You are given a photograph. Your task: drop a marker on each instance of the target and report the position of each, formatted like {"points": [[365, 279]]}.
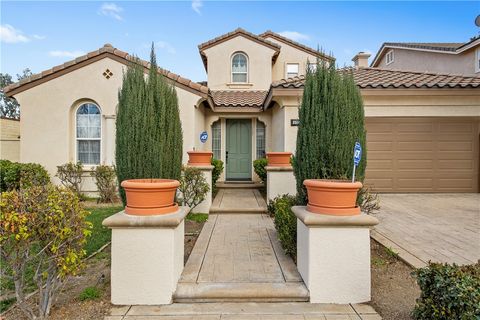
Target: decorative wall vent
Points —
{"points": [[108, 74]]}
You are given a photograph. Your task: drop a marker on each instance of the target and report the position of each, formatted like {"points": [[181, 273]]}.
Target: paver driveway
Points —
{"points": [[436, 227]]}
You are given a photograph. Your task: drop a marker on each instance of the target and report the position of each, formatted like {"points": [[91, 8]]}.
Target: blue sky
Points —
{"points": [[40, 35]]}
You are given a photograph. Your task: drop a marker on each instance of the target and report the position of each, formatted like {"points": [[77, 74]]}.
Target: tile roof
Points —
{"points": [[441, 46], [238, 31], [299, 45], [372, 78], [238, 98], [106, 50]]}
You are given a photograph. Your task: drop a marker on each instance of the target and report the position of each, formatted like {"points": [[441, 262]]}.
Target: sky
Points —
{"points": [[40, 35]]}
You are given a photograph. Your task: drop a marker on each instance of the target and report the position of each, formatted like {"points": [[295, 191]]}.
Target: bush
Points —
{"points": [[15, 175], [90, 293], [368, 201], [105, 179], [42, 229], [259, 167], [285, 222], [331, 121], [194, 187], [70, 175], [448, 292], [216, 172]]}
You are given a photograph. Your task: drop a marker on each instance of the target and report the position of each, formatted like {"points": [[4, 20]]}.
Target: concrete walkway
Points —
{"points": [[436, 227], [238, 200]]}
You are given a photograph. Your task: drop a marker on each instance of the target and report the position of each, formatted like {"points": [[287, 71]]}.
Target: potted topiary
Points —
{"points": [[148, 141], [331, 121], [199, 158], [279, 159]]}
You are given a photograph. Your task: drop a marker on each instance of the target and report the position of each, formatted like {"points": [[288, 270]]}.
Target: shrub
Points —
{"points": [[448, 292], [259, 167], [14, 175], [216, 172], [285, 222], [148, 129], [331, 121], [90, 293], [42, 229], [105, 179], [70, 175], [194, 187], [368, 201]]}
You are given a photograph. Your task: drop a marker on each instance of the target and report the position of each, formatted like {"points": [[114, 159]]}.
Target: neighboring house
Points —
{"points": [[423, 129], [10, 139], [453, 58]]}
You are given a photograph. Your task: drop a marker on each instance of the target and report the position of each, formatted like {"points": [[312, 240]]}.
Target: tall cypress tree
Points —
{"points": [[331, 121], [148, 129]]}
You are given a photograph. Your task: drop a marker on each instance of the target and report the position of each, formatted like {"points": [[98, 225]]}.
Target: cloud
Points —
{"points": [[38, 37], [111, 10], [163, 45], [9, 34], [196, 5], [294, 35], [66, 54]]}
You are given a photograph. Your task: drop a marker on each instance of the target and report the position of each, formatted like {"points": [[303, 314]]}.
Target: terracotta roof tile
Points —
{"points": [[238, 98], [441, 46], [368, 78], [238, 31]]}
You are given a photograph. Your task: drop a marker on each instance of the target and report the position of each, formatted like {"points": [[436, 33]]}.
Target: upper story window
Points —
{"points": [[88, 133], [389, 57], [239, 68], [477, 60], [292, 70]]}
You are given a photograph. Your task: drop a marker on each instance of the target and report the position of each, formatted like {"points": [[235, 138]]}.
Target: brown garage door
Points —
{"points": [[423, 154]]}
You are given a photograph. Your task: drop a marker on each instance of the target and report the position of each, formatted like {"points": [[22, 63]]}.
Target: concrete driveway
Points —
{"points": [[436, 227]]}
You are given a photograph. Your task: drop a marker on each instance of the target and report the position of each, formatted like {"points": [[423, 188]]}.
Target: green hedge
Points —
{"points": [[285, 222], [14, 175], [217, 170], [259, 167], [448, 292]]}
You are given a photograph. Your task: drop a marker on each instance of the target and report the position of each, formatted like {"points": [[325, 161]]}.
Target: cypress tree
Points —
{"points": [[148, 129], [331, 121]]}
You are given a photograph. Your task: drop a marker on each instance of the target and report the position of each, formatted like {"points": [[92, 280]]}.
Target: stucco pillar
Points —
{"points": [[147, 257], [333, 256], [280, 180], [204, 206]]}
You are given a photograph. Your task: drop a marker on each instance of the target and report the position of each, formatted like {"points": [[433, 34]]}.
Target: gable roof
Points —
{"points": [[230, 35], [376, 78], [107, 51], [295, 44], [439, 47]]}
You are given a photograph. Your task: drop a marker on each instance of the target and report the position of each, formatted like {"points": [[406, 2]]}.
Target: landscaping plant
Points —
{"points": [[285, 222], [194, 187], [331, 121], [148, 129], [105, 179], [15, 175], [42, 228], [70, 175], [368, 201], [259, 168], [448, 292], [216, 172]]}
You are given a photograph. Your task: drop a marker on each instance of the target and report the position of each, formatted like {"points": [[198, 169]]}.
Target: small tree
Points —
{"points": [[194, 187], [105, 180], [42, 228], [331, 121], [70, 175], [149, 136]]}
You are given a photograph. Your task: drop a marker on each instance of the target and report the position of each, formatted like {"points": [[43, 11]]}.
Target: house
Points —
{"points": [[423, 128], [10, 139], [455, 58]]}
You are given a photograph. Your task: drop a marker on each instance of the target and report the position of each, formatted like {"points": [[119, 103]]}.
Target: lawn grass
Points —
{"points": [[100, 234], [197, 217]]}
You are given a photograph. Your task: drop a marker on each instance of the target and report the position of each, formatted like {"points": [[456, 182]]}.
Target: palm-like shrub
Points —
{"points": [[331, 121]]}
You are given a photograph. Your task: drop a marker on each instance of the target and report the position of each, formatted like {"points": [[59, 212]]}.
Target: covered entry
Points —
{"points": [[238, 153], [423, 154]]}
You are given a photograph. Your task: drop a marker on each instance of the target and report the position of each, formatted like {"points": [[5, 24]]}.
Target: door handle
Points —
{"points": [[226, 156]]}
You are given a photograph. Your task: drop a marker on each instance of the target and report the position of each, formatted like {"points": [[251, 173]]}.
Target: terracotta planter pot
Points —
{"points": [[200, 158], [150, 196], [279, 159], [333, 197]]}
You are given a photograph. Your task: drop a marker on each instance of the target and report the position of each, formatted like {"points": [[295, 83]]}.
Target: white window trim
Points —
{"points": [[286, 68], [390, 52], [89, 166], [231, 68], [477, 60]]}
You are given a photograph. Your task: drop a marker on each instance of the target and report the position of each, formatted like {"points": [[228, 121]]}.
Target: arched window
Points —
{"points": [[260, 139], [89, 133], [239, 68]]}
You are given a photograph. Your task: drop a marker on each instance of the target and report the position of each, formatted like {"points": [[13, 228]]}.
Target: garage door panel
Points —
{"points": [[423, 154]]}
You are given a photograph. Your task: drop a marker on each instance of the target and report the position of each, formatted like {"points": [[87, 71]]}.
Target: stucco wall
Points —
{"points": [[10, 139], [259, 64], [413, 60], [48, 115]]}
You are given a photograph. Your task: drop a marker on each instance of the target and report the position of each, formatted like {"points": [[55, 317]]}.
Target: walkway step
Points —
{"points": [[238, 201], [237, 292], [239, 185]]}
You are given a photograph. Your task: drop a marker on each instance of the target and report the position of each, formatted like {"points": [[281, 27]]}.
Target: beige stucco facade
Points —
{"points": [[10, 139]]}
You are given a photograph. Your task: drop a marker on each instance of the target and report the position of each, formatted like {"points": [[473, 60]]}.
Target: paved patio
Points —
{"points": [[436, 227]]}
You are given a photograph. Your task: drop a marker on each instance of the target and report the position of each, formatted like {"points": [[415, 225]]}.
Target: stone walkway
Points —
{"points": [[436, 227]]}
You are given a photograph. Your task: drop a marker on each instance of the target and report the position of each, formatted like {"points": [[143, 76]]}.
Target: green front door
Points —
{"points": [[239, 149]]}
